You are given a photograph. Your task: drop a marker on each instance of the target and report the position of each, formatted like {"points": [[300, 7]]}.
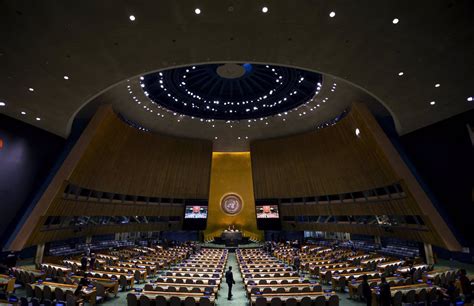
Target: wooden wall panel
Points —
{"points": [[332, 160], [335, 160], [122, 159]]}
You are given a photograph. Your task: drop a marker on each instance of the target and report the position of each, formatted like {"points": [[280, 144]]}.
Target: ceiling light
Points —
{"points": [[470, 99], [395, 21], [437, 85], [432, 102], [31, 89], [215, 137], [2, 104], [38, 118], [197, 11], [264, 9], [332, 14], [131, 17], [66, 77], [400, 73], [357, 132], [23, 113]]}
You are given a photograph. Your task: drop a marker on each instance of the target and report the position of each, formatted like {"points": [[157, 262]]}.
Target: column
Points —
{"points": [[39, 254], [377, 240], [429, 258]]}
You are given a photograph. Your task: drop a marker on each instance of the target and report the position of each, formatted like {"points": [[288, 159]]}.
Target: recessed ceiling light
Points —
{"points": [[31, 89], [66, 77], [400, 73], [432, 102], [470, 99], [38, 118], [131, 17], [264, 9], [2, 104], [197, 11], [395, 21], [215, 137], [332, 14], [437, 85], [23, 113], [357, 132]]}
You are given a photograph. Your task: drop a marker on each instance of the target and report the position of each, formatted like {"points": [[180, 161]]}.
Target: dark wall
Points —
{"points": [[444, 158], [26, 158]]}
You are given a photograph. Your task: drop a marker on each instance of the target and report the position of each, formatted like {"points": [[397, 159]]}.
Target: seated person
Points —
{"points": [[84, 282]]}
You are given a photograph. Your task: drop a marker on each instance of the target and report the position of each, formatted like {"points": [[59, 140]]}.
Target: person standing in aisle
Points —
{"points": [[229, 279]]}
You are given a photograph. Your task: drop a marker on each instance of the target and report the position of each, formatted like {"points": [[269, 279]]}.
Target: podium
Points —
{"points": [[231, 238]]}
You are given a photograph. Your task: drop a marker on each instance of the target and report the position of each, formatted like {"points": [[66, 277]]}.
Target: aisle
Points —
{"points": [[238, 289]]}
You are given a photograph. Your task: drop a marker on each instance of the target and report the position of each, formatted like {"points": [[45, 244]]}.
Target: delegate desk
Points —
{"points": [[181, 295], [7, 282], [403, 289], [90, 294], [110, 285], [298, 296]]}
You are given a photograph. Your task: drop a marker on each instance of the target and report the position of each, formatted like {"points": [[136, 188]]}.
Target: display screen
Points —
{"points": [[195, 212], [267, 212]]}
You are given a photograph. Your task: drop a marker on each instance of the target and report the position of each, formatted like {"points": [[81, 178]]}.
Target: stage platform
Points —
{"points": [[233, 248]]}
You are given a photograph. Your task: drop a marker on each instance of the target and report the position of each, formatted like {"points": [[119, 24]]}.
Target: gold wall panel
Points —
{"points": [[231, 173]]}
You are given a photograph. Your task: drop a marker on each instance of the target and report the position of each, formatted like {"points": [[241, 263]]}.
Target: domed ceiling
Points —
{"points": [[231, 91]]}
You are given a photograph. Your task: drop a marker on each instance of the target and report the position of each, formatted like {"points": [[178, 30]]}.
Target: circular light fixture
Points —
{"points": [[332, 14], [31, 89], [400, 73], [432, 102], [66, 77], [131, 17], [264, 9], [2, 103], [470, 99], [23, 113], [357, 132], [197, 11], [38, 118], [395, 21], [437, 85]]}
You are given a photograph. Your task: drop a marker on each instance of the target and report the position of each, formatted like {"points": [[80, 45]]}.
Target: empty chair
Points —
{"points": [[319, 301], [422, 296], [175, 301], [280, 290], [410, 296], [171, 289], [38, 293], [59, 294], [276, 302], [262, 282], [160, 301], [333, 300], [47, 294], [261, 301], [291, 302], [397, 298], [306, 289], [183, 289], [195, 290], [318, 288], [285, 281], [179, 281], [148, 287], [204, 302], [47, 303], [131, 299], [267, 290], [189, 301], [306, 301], [145, 301], [273, 282], [24, 301], [29, 291], [294, 289], [35, 302]]}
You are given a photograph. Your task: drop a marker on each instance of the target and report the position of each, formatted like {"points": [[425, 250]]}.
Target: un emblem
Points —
{"points": [[231, 204]]}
